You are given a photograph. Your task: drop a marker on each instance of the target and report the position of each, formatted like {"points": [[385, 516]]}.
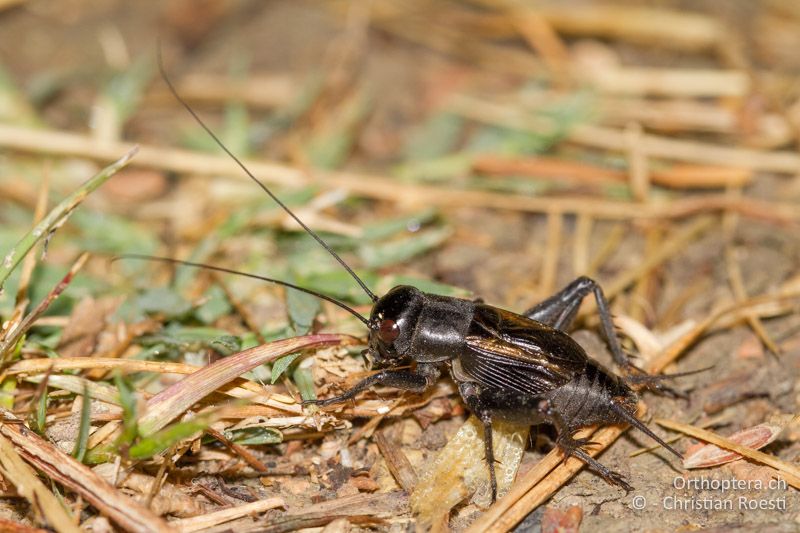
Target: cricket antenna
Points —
{"points": [[319, 295], [238, 161]]}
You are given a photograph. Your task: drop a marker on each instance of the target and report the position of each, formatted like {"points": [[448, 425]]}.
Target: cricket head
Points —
{"points": [[392, 323]]}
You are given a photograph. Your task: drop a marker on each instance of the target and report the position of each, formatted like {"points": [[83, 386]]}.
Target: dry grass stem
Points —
{"points": [[257, 92], [669, 82], [11, 337], [614, 139], [786, 470], [184, 161], [397, 462], [208, 520], [80, 479], [42, 501], [551, 254], [739, 292]]}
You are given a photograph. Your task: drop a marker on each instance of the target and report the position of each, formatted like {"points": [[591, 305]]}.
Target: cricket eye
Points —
{"points": [[388, 331]]}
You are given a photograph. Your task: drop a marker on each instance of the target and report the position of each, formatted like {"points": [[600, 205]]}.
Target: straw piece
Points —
{"points": [[550, 262], [615, 139], [197, 523], [789, 471], [77, 477], [70, 144], [32, 489], [669, 82], [397, 462]]}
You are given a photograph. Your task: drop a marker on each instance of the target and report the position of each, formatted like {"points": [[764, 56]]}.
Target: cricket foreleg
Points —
{"points": [[414, 381]]}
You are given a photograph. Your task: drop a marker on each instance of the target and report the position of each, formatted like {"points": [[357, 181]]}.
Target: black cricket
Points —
{"points": [[522, 368]]}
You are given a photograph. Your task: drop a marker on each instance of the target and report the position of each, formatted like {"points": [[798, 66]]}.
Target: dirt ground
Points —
{"points": [[495, 149]]}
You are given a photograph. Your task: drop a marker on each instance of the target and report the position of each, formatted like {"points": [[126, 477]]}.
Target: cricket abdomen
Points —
{"points": [[589, 398]]}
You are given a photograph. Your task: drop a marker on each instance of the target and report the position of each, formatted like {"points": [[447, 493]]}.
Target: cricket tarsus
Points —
{"points": [[215, 268], [266, 189]]}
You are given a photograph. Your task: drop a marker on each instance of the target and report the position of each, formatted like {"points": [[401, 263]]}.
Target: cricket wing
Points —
{"points": [[512, 352]]}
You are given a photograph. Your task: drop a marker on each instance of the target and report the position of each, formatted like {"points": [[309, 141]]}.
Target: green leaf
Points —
{"points": [[442, 169], [305, 382], [303, 308], [111, 234], [387, 228], [226, 345], [398, 251], [330, 145], [437, 136], [164, 439], [284, 117], [41, 412], [181, 338], [215, 306], [280, 366], [128, 402], [14, 107], [163, 300], [83, 431], [125, 89], [339, 284], [254, 436], [8, 389]]}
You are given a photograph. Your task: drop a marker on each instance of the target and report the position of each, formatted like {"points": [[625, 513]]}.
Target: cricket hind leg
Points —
{"points": [[560, 309], [574, 447], [470, 392], [655, 383]]}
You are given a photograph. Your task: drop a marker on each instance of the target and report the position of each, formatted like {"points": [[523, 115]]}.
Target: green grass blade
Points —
{"points": [[57, 216], [86, 423]]}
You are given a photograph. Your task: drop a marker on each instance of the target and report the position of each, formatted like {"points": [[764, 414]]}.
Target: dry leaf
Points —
{"points": [[756, 437]]}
